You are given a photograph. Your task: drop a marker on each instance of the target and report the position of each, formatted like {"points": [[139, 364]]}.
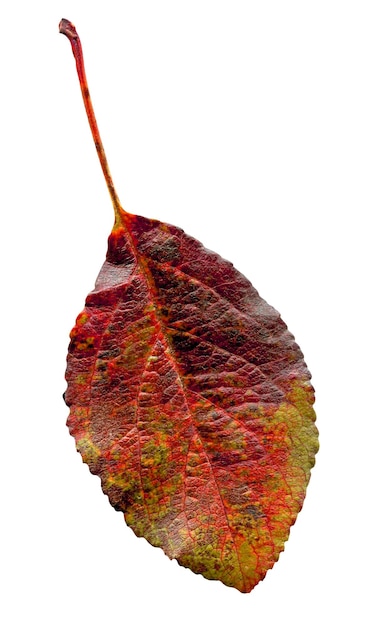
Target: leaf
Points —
{"points": [[190, 399]]}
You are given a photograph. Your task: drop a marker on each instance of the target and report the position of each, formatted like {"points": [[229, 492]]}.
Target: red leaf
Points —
{"points": [[190, 399]]}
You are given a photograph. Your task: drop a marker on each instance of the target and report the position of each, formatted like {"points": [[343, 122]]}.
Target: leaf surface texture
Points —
{"points": [[191, 400]]}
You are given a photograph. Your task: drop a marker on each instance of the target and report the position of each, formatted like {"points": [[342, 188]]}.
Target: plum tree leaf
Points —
{"points": [[189, 397]]}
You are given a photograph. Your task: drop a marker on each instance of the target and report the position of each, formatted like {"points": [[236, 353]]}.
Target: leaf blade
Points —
{"points": [[177, 366]]}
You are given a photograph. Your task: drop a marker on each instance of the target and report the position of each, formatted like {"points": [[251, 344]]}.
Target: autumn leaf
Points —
{"points": [[189, 397]]}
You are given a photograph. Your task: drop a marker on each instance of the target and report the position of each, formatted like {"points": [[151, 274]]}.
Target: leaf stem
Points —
{"points": [[68, 29]]}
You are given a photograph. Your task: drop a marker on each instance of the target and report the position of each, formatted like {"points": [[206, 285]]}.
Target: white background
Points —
{"points": [[245, 124]]}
